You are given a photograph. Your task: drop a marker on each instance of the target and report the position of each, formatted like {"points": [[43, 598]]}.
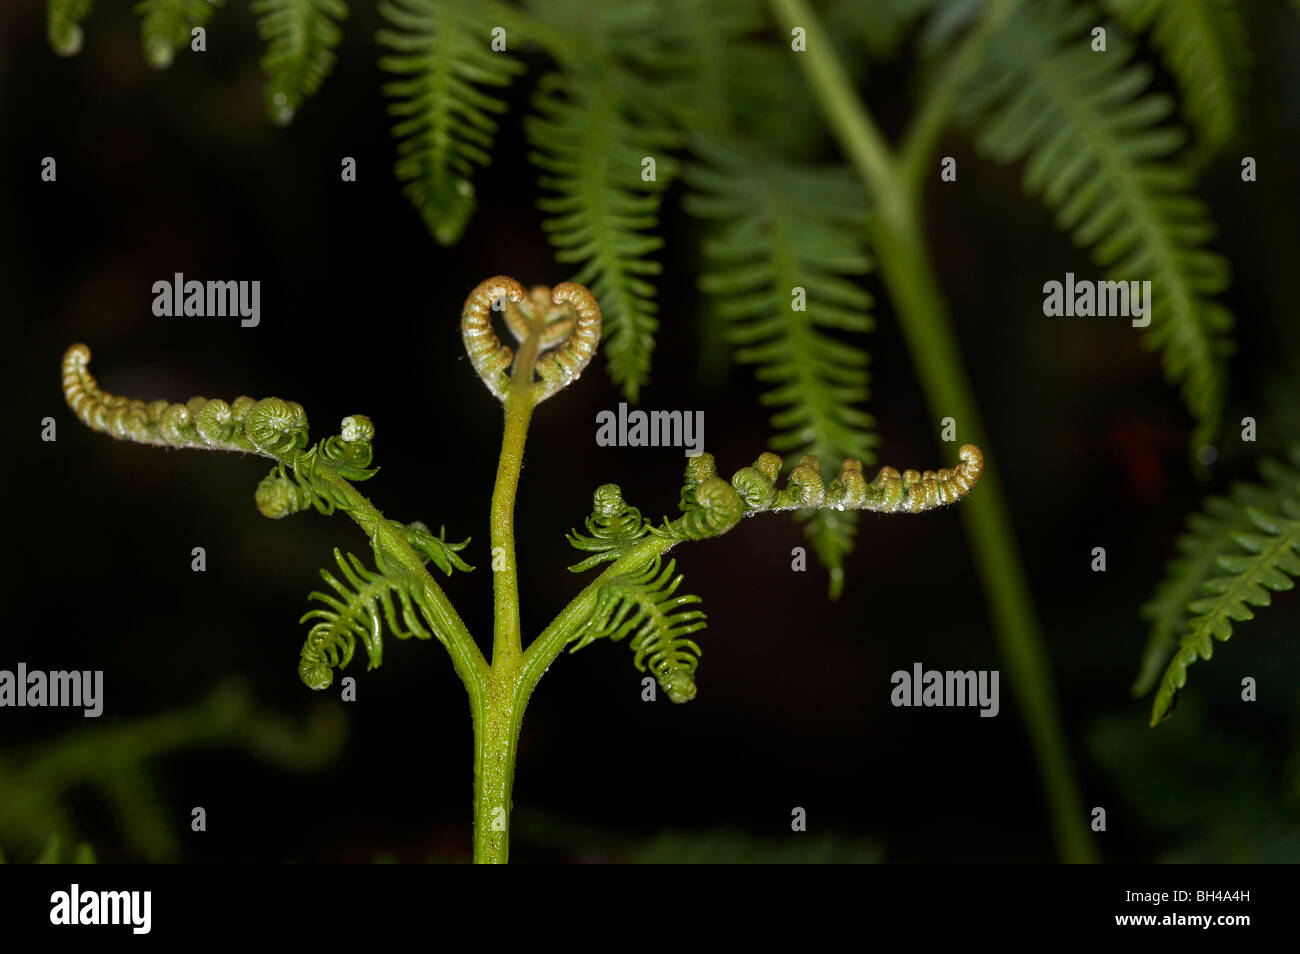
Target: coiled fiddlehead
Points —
{"points": [[271, 427], [645, 603], [362, 603], [614, 526], [566, 319]]}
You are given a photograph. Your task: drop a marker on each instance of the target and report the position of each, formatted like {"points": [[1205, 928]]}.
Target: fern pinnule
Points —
{"points": [[443, 55], [63, 24], [644, 603], [1096, 150], [613, 527], [301, 36], [1264, 558], [166, 26]]}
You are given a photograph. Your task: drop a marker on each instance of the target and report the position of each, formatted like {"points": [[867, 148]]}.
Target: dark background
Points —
{"points": [[160, 172]]}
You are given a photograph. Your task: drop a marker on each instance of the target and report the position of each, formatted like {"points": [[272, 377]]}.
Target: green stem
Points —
{"points": [[923, 316]]}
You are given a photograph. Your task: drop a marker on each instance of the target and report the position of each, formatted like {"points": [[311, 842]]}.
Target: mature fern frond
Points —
{"points": [[63, 24], [1265, 558], [442, 49], [614, 527], [1203, 43], [165, 26], [784, 228], [363, 602], [589, 143], [1097, 153], [644, 602], [1209, 535], [301, 36]]}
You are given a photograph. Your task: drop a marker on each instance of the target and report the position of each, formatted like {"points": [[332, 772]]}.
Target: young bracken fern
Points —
{"points": [[635, 594], [1253, 536]]}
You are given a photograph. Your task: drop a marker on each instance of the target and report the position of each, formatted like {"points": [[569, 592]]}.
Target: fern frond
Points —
{"points": [[589, 146], [301, 36], [63, 24], [782, 228], [1203, 44], [165, 26], [363, 602], [442, 51], [614, 527], [644, 602], [1209, 535], [1096, 151], [1263, 559]]}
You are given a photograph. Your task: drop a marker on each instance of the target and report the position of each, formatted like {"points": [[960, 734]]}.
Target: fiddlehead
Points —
{"points": [[565, 319], [644, 602], [613, 527]]}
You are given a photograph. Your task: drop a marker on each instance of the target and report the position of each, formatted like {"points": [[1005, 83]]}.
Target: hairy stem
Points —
{"points": [[923, 315]]}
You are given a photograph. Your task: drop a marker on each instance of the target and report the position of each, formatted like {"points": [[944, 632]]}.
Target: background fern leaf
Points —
{"points": [[1263, 560], [589, 142], [301, 36], [442, 51], [165, 26], [1203, 44], [1209, 535], [1097, 153], [63, 24], [782, 227], [644, 602]]}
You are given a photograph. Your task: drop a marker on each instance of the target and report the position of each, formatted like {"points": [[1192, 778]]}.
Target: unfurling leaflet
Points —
{"points": [[613, 527], [565, 323], [270, 427], [363, 601], [645, 603]]}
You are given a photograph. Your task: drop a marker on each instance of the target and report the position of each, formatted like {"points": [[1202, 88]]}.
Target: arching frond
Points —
{"points": [[645, 604], [1097, 151], [779, 269], [166, 25], [1263, 558], [1203, 43], [301, 36], [591, 145], [442, 50]]}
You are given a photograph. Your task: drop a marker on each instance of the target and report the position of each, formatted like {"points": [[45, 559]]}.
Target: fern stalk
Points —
{"points": [[923, 314]]}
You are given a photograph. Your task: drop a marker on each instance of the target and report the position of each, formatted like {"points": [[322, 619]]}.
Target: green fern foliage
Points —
{"points": [[63, 24], [363, 601], [613, 528], [783, 228], [1210, 535], [645, 604], [301, 36], [443, 55], [1263, 525], [1098, 152], [1203, 44], [590, 144], [165, 26]]}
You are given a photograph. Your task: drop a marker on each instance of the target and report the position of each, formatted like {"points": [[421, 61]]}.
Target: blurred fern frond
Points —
{"points": [[166, 26], [1098, 152], [782, 229], [442, 52], [301, 36], [1253, 536]]}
